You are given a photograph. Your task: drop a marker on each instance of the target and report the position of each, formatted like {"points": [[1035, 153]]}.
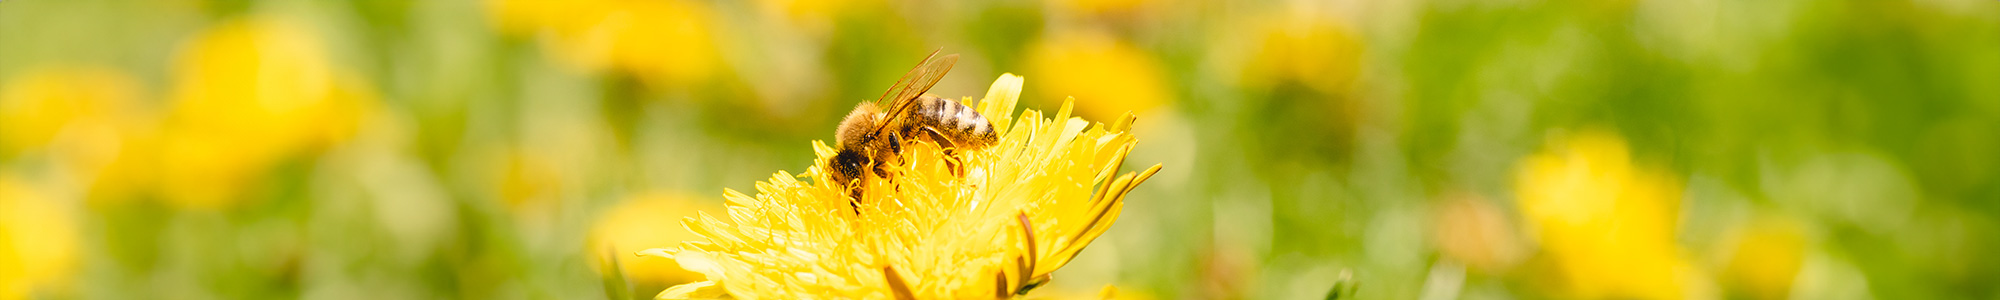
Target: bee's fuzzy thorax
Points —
{"points": [[857, 123]]}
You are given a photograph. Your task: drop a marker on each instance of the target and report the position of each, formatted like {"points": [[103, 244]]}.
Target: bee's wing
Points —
{"points": [[903, 95]]}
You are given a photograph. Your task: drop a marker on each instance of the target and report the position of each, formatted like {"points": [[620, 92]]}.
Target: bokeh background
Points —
{"points": [[1424, 149]]}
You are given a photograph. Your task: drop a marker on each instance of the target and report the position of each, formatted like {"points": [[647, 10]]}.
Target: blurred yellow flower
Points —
{"points": [[87, 120], [816, 16], [1316, 52], [1115, 75], [248, 94], [526, 181], [38, 241], [660, 41], [1764, 260], [635, 225], [1606, 224], [42, 103], [1101, 6], [1023, 208]]}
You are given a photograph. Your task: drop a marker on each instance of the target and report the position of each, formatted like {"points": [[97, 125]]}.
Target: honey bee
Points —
{"points": [[871, 137]]}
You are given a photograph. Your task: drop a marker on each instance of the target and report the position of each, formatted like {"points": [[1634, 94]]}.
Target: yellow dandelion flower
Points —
{"points": [[815, 17], [247, 95], [38, 241], [1765, 259], [1607, 224], [1021, 209], [1117, 76], [659, 41], [85, 119], [40, 104], [526, 181], [1310, 50], [1097, 7], [634, 225]]}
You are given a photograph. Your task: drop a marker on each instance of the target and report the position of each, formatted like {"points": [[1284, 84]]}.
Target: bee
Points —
{"points": [[871, 136]]}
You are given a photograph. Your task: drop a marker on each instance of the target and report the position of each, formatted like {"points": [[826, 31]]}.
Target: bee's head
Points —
{"points": [[846, 166]]}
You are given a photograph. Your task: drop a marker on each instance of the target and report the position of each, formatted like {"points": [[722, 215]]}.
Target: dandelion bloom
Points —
{"points": [[38, 241], [1022, 208], [247, 95], [41, 104], [1113, 74], [1765, 258], [1315, 51], [631, 226], [659, 41], [87, 120], [1607, 224]]}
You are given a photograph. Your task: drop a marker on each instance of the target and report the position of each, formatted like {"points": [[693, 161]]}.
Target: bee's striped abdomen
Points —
{"points": [[965, 127]]}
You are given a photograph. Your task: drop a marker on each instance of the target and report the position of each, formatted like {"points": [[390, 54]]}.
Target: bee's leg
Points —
{"points": [[943, 141], [895, 146], [882, 167], [853, 187], [950, 151], [855, 201], [881, 170]]}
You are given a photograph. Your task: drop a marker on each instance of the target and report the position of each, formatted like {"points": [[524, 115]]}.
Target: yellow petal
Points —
{"points": [[695, 290]]}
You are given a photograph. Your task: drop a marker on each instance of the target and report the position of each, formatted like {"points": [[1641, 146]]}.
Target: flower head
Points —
{"points": [[1765, 258], [87, 120], [1314, 51], [994, 228], [659, 41], [247, 95], [1607, 223], [42, 104], [38, 241], [631, 226], [1114, 74]]}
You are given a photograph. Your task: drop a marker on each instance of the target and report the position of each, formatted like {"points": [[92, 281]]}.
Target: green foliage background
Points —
{"points": [[1874, 124]]}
